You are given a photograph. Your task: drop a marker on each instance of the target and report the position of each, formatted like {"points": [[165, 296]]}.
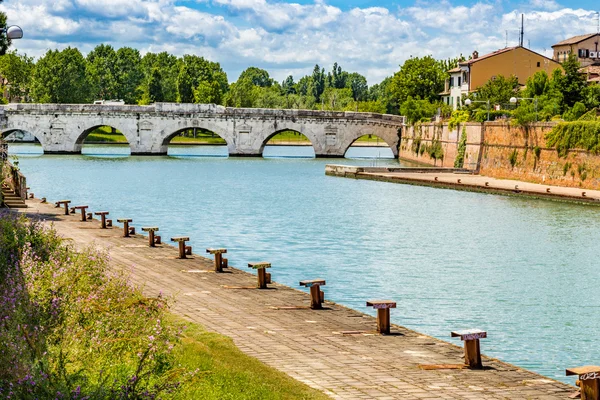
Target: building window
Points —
{"points": [[451, 81], [459, 81], [457, 101], [538, 64]]}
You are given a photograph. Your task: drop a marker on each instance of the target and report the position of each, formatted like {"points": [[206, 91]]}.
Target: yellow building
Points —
{"points": [[472, 74], [585, 47]]}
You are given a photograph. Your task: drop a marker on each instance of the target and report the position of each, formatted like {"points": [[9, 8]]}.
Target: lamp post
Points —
{"points": [[513, 100], [469, 101], [13, 32]]}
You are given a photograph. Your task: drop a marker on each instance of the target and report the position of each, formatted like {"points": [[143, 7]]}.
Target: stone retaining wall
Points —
{"points": [[501, 150]]}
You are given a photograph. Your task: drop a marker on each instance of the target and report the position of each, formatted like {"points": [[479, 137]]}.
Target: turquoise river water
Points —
{"points": [[527, 271]]}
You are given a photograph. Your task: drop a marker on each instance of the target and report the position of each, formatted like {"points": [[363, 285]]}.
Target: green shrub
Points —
{"points": [[583, 135], [481, 115], [71, 328], [458, 117], [459, 162], [512, 158]]}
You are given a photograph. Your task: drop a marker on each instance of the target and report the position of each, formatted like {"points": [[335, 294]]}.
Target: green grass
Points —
{"points": [[103, 134], [224, 372]]}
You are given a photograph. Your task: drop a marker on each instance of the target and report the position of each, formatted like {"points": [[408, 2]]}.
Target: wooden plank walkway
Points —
{"points": [[308, 345]]}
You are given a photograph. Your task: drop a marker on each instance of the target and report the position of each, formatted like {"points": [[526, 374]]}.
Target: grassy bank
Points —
{"points": [[104, 134], [73, 328]]}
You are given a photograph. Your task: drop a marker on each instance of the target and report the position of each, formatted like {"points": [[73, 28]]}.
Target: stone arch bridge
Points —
{"points": [[62, 128]]}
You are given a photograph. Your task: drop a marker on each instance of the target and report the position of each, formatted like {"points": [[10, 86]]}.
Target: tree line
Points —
{"points": [[66, 76]]}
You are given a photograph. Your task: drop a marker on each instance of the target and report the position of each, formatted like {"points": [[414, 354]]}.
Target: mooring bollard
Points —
{"points": [[183, 249], [218, 253], [83, 212], [89, 215], [317, 296], [43, 200], [102, 215], [472, 351], [31, 196], [152, 239], [125, 222], [261, 268], [64, 203], [383, 314], [589, 381]]}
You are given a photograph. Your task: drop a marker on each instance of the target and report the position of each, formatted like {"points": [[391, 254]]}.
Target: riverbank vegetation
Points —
{"points": [[73, 328]]}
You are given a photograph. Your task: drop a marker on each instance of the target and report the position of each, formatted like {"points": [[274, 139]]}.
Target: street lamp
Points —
{"points": [[469, 101], [514, 101], [13, 32]]}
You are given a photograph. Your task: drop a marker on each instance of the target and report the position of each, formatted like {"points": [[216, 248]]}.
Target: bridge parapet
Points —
{"points": [[189, 109]]}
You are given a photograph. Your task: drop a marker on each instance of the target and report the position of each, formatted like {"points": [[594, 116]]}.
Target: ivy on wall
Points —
{"points": [[583, 135]]}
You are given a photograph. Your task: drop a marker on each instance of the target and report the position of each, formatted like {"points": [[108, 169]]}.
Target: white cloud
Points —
{"points": [[290, 38]]}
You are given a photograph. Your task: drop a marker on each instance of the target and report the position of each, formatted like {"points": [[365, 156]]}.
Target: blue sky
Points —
{"points": [[290, 37]]}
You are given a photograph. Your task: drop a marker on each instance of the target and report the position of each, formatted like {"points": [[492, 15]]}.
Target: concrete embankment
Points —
{"points": [[336, 350], [458, 179]]}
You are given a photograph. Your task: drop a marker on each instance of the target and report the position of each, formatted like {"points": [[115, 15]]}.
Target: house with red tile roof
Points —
{"points": [[470, 75]]}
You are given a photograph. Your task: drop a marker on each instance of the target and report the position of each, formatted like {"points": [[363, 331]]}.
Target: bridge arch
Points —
{"points": [[86, 132], [173, 128], [389, 137], [302, 139], [34, 132], [268, 135]]}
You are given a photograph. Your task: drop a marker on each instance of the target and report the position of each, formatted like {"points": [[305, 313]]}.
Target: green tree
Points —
{"points": [[242, 93], [269, 97], [419, 78], [17, 71], [382, 92], [60, 77], [358, 84], [498, 90], [417, 110], [258, 77], [337, 78], [591, 96], [316, 84], [153, 88], [302, 87], [128, 74], [168, 68], [337, 99], [4, 41], [208, 92], [572, 83], [101, 74], [288, 86], [185, 86]]}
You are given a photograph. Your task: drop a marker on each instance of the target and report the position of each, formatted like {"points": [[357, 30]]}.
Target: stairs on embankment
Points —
{"points": [[11, 199]]}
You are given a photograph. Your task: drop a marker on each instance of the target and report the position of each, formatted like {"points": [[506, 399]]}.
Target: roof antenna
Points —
{"points": [[506, 39], [522, 30]]}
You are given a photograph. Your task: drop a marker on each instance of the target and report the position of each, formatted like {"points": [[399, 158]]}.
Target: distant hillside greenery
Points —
{"points": [[66, 76]]}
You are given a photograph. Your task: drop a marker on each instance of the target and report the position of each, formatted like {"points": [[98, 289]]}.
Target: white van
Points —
{"points": [[110, 102]]}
